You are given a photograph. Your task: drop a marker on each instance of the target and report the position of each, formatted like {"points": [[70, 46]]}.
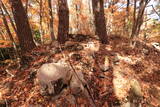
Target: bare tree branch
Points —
{"points": [[155, 11]]}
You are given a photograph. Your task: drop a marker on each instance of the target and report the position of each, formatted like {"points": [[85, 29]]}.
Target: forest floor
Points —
{"points": [[19, 87]]}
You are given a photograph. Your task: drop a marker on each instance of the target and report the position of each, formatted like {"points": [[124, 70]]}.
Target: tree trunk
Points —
{"points": [[77, 17], [26, 6], [127, 17], [140, 16], [127, 9], [99, 19], [134, 20], [23, 28], [40, 22], [51, 20], [63, 14], [138, 21]]}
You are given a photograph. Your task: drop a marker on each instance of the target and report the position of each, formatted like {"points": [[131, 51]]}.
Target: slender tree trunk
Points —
{"points": [[51, 20], [11, 21], [158, 14], [40, 22], [77, 18], [140, 16], [139, 19], [23, 28], [26, 6], [127, 17], [100, 23], [145, 24], [8, 31], [63, 14], [134, 20], [127, 9]]}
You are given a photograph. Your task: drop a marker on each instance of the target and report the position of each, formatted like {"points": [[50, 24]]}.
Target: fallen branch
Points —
{"points": [[74, 71]]}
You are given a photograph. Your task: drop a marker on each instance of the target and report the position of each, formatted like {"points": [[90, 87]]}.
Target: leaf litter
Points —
{"points": [[108, 88]]}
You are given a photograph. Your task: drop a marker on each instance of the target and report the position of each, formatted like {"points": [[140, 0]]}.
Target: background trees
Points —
{"points": [[138, 19], [8, 29], [45, 21]]}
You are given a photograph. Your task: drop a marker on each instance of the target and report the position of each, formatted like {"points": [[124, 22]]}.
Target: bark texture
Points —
{"points": [[63, 14], [100, 23], [138, 20], [23, 28], [51, 20]]}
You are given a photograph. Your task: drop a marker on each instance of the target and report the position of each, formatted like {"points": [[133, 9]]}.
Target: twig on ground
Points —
{"points": [[74, 71], [9, 73]]}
